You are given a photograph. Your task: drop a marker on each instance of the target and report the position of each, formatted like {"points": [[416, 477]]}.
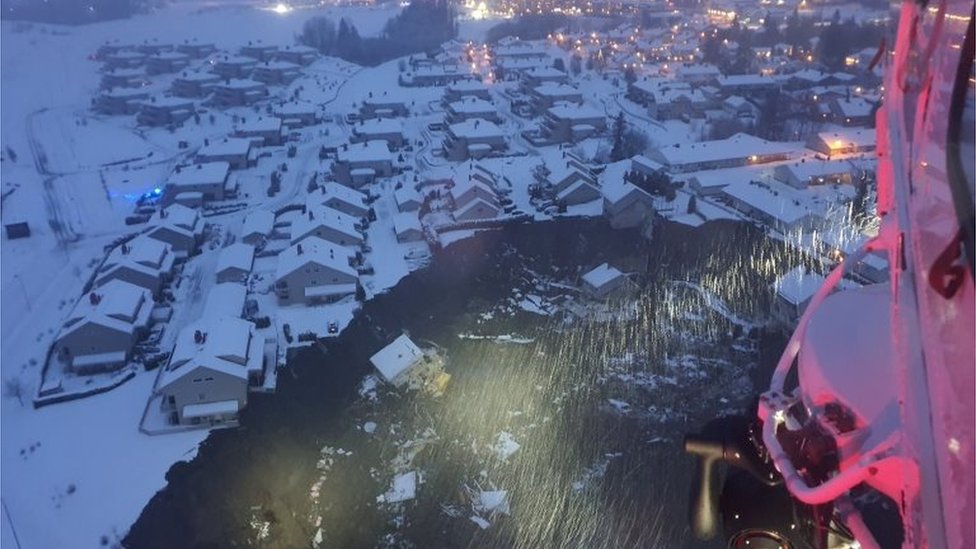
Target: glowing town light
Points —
{"points": [[281, 8]]}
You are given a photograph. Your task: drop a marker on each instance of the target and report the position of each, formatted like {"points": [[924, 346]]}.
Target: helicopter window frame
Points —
{"points": [[960, 182]]}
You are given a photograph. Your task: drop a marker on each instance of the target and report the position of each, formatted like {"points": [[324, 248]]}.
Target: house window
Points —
{"points": [[202, 396]]}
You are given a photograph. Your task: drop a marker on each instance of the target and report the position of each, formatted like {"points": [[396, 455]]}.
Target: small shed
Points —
{"points": [[235, 262], [603, 281]]}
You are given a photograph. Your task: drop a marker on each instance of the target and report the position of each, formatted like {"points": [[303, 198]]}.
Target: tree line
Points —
{"points": [[421, 26]]}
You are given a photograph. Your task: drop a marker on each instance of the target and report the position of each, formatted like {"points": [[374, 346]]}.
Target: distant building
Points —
{"points": [[772, 204], [383, 107], [238, 93], [121, 101], [165, 111], [276, 73], [341, 198], [473, 138], [800, 175], [739, 150], [471, 107], [209, 179], [314, 271], [298, 55], [747, 84], [852, 111], [124, 59], [407, 199], [844, 142], [196, 50], [103, 328], [261, 52], [266, 131], [379, 129], [297, 115], [361, 163], [540, 76], [566, 124], [794, 290], [167, 62], [235, 263], [465, 89], [228, 67], [235, 151], [124, 78], [550, 94], [212, 364], [194, 84]]}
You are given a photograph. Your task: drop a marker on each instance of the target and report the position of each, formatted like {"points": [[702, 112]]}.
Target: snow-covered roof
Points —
{"points": [[551, 89], [574, 112], [177, 215], [258, 222], [817, 168], [225, 299], [195, 76], [231, 146], [847, 137], [374, 126], [278, 66], [259, 125], [467, 86], [545, 72], [798, 285], [314, 250], [777, 200], [207, 409], [237, 60], [236, 256], [476, 128], [396, 358], [117, 304], [222, 343], [142, 250], [208, 173], [367, 151], [471, 105], [242, 84], [406, 194], [342, 193], [855, 106], [602, 275], [477, 202], [740, 145], [404, 222], [167, 102], [323, 216], [746, 80]]}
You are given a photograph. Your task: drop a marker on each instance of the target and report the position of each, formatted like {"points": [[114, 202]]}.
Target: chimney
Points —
{"points": [[162, 213], [198, 337], [310, 216], [94, 298], [331, 253], [299, 249], [125, 249]]}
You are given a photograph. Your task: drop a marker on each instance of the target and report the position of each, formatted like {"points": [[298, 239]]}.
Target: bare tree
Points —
{"points": [[14, 387]]}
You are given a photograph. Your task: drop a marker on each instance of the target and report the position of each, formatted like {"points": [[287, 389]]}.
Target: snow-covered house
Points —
{"points": [[257, 227], [550, 94], [468, 190], [697, 73], [103, 327], [395, 361], [579, 192], [166, 62], [383, 106], [265, 130], [234, 67], [238, 93], [378, 129], [737, 107], [473, 138], [800, 175], [340, 198], [471, 107], [539, 76], [626, 205], [260, 52], [466, 88], [407, 227], [196, 50], [165, 111], [123, 78], [299, 55], [142, 261], [794, 290], [235, 151], [772, 204], [235, 263], [209, 179], [120, 101], [297, 115], [124, 59], [328, 224], [361, 163], [178, 226], [604, 281], [746, 84], [212, 364], [844, 141], [741, 149], [194, 84], [407, 199], [276, 73], [477, 208], [564, 124], [314, 271]]}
